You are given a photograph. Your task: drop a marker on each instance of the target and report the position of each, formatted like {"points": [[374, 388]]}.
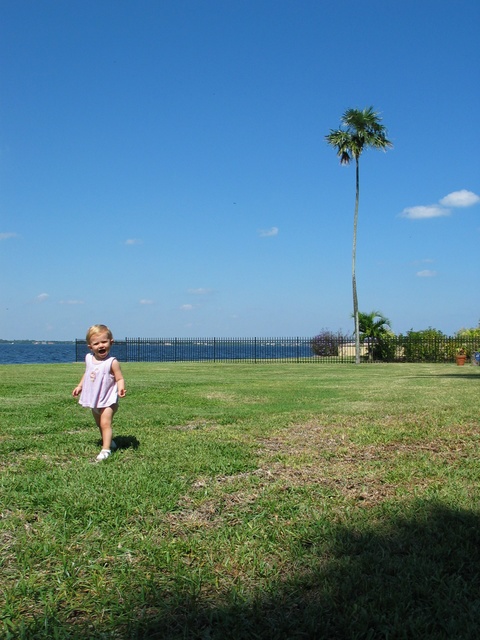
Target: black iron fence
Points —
{"points": [[252, 350]]}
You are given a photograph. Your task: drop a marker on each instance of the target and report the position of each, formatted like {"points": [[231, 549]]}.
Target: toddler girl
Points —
{"points": [[101, 385]]}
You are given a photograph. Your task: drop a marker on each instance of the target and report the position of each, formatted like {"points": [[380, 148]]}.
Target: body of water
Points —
{"points": [[28, 353], [177, 350], [209, 349]]}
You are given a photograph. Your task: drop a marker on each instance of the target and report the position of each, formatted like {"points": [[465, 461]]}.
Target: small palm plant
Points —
{"points": [[374, 328]]}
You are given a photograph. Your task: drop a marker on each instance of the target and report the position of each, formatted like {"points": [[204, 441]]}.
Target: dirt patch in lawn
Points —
{"points": [[327, 458]]}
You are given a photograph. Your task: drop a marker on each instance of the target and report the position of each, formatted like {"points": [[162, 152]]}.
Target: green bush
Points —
{"points": [[327, 343], [386, 349], [428, 345], [470, 339]]}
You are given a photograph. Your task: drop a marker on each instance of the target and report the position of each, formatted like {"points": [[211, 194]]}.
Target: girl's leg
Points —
{"points": [[104, 419]]}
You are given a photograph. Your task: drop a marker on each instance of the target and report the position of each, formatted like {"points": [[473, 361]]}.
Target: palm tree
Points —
{"points": [[361, 129], [373, 328]]}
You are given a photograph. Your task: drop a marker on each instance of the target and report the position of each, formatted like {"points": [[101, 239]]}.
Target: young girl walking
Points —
{"points": [[101, 385]]}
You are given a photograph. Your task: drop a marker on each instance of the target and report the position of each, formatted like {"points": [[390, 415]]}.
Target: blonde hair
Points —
{"points": [[96, 329]]}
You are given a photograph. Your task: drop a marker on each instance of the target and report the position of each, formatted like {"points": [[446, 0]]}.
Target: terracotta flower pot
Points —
{"points": [[460, 360]]}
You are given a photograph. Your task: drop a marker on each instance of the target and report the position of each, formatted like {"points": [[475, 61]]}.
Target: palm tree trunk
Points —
{"points": [[354, 254]]}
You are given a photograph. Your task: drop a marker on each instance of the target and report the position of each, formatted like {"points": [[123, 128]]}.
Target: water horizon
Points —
{"points": [[26, 352], [174, 350]]}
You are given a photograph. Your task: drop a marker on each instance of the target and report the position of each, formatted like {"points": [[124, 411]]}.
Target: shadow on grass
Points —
{"points": [[462, 376], [124, 442], [415, 576]]}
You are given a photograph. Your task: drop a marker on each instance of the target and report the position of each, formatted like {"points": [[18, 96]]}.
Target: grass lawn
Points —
{"points": [[269, 501]]}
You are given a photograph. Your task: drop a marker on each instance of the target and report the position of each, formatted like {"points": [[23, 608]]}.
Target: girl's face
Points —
{"points": [[100, 344]]}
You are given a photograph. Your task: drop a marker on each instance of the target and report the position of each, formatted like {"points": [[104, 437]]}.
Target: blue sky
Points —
{"points": [[164, 170]]}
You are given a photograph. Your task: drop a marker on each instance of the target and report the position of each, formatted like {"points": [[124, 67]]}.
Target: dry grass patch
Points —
{"points": [[212, 502], [322, 453]]}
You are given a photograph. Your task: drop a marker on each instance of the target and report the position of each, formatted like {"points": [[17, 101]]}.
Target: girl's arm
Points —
{"points": [[78, 389], [117, 372]]}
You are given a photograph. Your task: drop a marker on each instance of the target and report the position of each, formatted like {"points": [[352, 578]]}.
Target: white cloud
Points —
{"points": [[422, 212], [131, 241], [186, 307], [201, 291], [426, 273], [42, 297], [145, 301], [8, 235], [268, 233], [462, 198]]}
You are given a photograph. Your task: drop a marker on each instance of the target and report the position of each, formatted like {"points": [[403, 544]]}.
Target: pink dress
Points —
{"points": [[99, 388]]}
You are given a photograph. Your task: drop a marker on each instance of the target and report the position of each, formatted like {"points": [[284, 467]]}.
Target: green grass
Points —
{"points": [[245, 501]]}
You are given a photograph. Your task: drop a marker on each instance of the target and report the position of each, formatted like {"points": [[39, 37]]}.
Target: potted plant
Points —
{"points": [[461, 356]]}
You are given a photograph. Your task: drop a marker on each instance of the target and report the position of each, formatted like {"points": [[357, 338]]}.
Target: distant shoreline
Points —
{"points": [[37, 341]]}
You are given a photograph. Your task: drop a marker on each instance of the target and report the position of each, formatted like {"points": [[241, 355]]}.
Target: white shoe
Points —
{"points": [[104, 454]]}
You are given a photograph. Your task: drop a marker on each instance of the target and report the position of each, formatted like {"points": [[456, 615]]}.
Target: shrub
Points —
{"points": [[469, 339], [385, 348], [429, 345], [327, 343]]}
